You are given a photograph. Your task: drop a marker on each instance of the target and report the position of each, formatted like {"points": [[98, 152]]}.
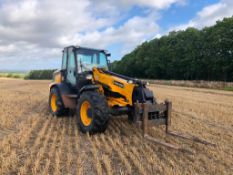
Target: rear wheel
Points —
{"points": [[92, 112], [55, 103]]}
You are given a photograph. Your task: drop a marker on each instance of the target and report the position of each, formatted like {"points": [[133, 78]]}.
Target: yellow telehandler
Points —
{"points": [[85, 84]]}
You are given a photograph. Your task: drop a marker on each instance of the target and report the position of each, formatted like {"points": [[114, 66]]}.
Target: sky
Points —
{"points": [[34, 32]]}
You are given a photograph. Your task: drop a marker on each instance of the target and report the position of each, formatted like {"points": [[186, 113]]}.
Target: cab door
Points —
{"points": [[71, 68]]}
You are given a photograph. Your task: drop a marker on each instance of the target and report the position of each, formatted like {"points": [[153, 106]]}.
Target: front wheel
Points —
{"points": [[92, 112], [55, 103]]}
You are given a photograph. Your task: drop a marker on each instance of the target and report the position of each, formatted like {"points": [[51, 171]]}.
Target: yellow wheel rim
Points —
{"points": [[85, 109], [54, 102]]}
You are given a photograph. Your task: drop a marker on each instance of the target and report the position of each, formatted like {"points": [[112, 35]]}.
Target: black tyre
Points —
{"points": [[56, 106], [92, 112], [131, 115]]}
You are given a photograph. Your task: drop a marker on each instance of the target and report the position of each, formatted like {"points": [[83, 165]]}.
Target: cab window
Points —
{"points": [[64, 60]]}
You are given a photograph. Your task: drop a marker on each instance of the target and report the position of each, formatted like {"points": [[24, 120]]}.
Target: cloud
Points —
{"points": [[33, 32], [156, 4], [132, 32], [209, 15], [42, 21]]}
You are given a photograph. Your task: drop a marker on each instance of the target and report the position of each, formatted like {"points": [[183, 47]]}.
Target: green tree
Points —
{"points": [[192, 54]]}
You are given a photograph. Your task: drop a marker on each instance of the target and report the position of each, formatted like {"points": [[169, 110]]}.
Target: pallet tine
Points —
{"points": [[168, 113], [176, 134], [145, 129], [162, 142], [190, 137], [145, 119]]}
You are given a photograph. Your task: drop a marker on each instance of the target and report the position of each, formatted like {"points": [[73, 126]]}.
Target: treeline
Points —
{"points": [[40, 74], [12, 75], [192, 54]]}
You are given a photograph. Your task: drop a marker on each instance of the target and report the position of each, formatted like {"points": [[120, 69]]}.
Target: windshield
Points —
{"points": [[89, 59]]}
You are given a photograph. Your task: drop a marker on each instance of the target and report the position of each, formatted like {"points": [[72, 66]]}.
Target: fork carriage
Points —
{"points": [[160, 114]]}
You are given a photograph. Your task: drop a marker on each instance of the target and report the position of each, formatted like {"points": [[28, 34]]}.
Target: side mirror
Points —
{"points": [[108, 54], [109, 64]]}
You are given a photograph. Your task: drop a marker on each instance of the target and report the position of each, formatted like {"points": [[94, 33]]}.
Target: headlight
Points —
{"points": [[130, 81], [89, 77]]}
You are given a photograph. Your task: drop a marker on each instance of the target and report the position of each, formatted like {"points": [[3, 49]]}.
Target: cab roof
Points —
{"points": [[86, 48]]}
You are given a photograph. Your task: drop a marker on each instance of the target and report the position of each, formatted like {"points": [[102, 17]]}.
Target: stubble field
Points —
{"points": [[34, 142]]}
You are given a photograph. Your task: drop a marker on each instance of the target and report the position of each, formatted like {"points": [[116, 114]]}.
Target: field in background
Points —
{"points": [[13, 74], [34, 142], [48, 75], [221, 85]]}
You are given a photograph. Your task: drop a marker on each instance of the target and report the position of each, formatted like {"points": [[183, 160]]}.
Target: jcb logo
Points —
{"points": [[118, 84]]}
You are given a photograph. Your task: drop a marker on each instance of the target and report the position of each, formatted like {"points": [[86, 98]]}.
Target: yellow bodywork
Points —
{"points": [[108, 80], [103, 79], [57, 78]]}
